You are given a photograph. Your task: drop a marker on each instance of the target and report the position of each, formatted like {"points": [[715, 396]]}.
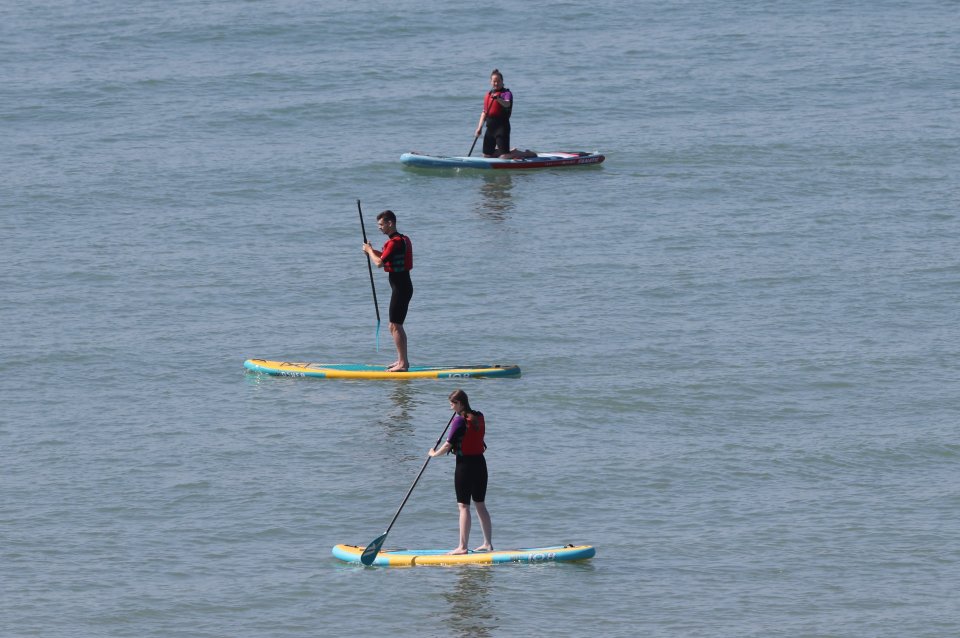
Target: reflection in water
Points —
{"points": [[398, 419], [495, 201], [470, 611]]}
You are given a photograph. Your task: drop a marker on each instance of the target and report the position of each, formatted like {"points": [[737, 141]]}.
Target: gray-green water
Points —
{"points": [[739, 335]]}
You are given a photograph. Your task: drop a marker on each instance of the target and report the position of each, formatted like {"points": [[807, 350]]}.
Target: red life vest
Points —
{"points": [[494, 108], [471, 443], [399, 258]]}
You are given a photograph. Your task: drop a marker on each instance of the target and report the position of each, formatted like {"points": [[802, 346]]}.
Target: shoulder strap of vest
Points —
{"points": [[480, 414]]}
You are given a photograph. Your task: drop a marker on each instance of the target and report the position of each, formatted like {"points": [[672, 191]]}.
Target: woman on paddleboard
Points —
{"points": [[470, 475], [397, 259], [497, 106]]}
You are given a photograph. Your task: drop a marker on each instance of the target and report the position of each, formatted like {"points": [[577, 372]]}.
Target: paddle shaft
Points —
{"points": [[373, 287], [410, 491], [483, 118], [370, 553]]}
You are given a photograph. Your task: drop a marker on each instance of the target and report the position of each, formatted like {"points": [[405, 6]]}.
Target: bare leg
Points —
{"points": [[400, 340], [464, 529], [485, 526]]}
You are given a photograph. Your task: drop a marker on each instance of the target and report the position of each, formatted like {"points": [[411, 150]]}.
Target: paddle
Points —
{"points": [[483, 117], [475, 138], [370, 553], [376, 306]]}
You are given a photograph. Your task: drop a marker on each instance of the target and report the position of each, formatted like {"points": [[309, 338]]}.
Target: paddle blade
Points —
{"points": [[370, 553]]}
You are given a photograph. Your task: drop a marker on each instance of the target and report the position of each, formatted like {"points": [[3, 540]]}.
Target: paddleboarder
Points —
{"points": [[497, 106], [470, 476], [396, 258]]}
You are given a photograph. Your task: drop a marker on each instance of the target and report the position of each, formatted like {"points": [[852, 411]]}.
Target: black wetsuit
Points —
{"points": [[496, 141]]}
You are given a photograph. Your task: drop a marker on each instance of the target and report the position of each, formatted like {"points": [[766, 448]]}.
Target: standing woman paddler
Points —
{"points": [[470, 476], [497, 107]]}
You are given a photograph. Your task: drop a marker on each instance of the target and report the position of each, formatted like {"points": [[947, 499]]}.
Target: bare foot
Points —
{"points": [[457, 551], [484, 548], [398, 367]]}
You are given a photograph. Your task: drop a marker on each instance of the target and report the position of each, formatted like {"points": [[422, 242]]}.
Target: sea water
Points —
{"points": [[739, 335]]}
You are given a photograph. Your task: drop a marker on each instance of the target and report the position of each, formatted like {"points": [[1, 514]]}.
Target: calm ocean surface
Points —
{"points": [[740, 336]]}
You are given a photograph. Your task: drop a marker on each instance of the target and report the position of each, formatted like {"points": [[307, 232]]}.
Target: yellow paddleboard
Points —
{"points": [[413, 557], [360, 371]]}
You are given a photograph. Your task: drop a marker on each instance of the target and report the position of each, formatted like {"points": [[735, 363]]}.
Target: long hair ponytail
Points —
{"points": [[460, 397]]}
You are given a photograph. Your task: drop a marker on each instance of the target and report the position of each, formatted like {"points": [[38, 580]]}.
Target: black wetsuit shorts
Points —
{"points": [[470, 478], [402, 288], [496, 141]]}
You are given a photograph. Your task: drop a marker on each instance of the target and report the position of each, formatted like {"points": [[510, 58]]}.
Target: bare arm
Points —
{"points": [[443, 449], [374, 255], [483, 116]]}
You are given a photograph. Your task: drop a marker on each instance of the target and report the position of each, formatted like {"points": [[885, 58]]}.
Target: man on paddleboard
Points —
{"points": [[396, 258], [497, 106]]}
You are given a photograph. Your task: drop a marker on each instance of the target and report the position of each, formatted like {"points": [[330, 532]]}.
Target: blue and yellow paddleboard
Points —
{"points": [[359, 371], [412, 558]]}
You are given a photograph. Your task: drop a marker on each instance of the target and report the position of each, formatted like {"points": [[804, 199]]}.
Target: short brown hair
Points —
{"points": [[388, 215]]}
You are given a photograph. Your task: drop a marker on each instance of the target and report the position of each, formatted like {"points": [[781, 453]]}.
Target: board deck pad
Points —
{"points": [[363, 371], [542, 160], [412, 558]]}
